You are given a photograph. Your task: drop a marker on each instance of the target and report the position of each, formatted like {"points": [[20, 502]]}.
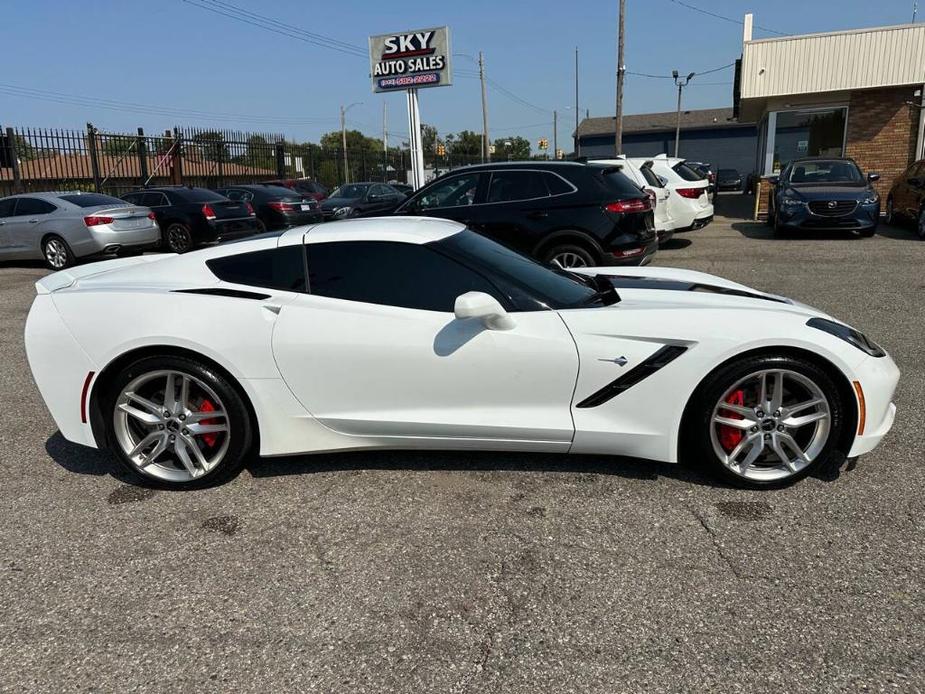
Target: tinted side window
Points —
{"points": [[508, 186], [394, 274], [557, 185], [133, 198], [34, 206], [154, 200], [276, 268], [6, 207], [452, 192], [687, 173]]}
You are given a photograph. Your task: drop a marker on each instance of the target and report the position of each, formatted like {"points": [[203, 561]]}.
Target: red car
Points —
{"points": [[306, 186]]}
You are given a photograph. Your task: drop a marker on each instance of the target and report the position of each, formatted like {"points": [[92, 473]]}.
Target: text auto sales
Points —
{"points": [[408, 60]]}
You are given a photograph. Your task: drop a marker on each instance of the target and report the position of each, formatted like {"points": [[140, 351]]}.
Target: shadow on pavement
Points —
{"points": [[84, 460], [675, 244], [760, 230]]}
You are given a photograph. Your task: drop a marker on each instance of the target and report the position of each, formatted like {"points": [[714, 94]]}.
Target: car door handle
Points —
{"points": [[537, 214], [33, 221]]}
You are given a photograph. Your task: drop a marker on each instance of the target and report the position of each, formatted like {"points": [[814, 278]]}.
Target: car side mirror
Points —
{"points": [[873, 177], [484, 307]]}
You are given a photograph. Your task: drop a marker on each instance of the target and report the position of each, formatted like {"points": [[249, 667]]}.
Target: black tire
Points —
{"points": [[696, 443], [920, 224], [56, 253], [564, 253], [178, 238], [261, 227], [772, 217], [867, 233], [890, 216], [241, 430]]}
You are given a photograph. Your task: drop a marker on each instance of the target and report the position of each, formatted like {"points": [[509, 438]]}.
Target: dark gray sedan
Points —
{"points": [[62, 227]]}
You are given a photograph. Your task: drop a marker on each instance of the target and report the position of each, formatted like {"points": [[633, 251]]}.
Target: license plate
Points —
{"points": [[306, 208], [138, 223]]}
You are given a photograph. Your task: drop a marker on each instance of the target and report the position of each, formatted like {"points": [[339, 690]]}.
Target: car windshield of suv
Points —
{"points": [[91, 200], [352, 190], [522, 276], [618, 182], [824, 171], [727, 173]]}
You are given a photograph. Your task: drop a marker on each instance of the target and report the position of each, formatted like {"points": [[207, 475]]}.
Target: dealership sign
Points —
{"points": [[410, 60]]}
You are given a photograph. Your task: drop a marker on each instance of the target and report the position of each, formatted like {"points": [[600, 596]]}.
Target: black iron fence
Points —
{"points": [[41, 159]]}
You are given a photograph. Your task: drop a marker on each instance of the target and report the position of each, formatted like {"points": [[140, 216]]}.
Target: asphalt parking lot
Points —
{"points": [[482, 573]]}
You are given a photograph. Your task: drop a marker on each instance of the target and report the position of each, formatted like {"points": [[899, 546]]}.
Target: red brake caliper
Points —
{"points": [[729, 437], [207, 406]]}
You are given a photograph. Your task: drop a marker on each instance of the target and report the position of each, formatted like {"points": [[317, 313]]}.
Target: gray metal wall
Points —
{"points": [[724, 148]]}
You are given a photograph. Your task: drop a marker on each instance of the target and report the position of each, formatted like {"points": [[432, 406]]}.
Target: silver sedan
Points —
{"points": [[62, 227]]}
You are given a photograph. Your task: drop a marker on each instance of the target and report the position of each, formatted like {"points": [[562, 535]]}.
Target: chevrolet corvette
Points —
{"points": [[417, 333]]}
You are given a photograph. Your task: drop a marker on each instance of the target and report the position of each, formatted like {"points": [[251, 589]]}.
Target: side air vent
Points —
{"points": [[220, 291], [640, 372]]}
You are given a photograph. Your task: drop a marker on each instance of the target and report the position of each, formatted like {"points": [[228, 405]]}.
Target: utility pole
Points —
{"points": [[385, 143], [681, 84], [555, 134], [618, 124], [485, 150], [577, 140], [343, 136]]}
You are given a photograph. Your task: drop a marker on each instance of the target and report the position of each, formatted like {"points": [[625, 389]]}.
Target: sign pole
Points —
{"points": [[415, 140]]}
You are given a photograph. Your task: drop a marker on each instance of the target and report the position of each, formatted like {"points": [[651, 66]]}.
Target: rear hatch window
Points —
{"points": [[618, 183], [687, 173]]}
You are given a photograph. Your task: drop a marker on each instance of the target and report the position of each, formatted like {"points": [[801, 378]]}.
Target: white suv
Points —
{"points": [[689, 205], [639, 171]]}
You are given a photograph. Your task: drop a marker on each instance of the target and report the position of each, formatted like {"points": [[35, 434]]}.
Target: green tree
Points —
{"points": [[464, 144], [118, 145], [356, 141], [514, 148], [211, 145]]}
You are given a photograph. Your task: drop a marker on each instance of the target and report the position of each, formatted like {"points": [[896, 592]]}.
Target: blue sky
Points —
{"points": [[180, 58]]}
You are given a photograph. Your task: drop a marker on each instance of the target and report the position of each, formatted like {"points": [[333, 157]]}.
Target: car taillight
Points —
{"points": [[282, 206], [151, 215], [632, 205], [628, 252], [250, 209], [94, 221], [692, 193], [208, 212]]}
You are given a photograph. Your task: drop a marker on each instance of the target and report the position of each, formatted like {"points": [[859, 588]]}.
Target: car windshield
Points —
{"points": [[91, 200], [353, 190], [727, 173], [522, 275], [824, 171], [687, 173]]}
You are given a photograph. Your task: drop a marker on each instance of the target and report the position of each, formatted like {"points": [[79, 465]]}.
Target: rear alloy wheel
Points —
{"points": [[178, 239], [56, 252], [920, 225], [178, 423], [569, 256], [766, 421]]}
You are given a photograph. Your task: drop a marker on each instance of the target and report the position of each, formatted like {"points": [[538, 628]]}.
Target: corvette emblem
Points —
{"points": [[619, 361]]}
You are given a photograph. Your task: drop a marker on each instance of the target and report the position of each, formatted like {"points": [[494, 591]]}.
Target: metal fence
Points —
{"points": [[41, 159]]}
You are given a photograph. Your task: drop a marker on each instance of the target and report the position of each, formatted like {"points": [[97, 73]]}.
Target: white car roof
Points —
{"points": [[398, 229]]}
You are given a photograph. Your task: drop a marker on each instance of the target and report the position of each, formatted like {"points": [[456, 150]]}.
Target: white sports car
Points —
{"points": [[417, 333]]}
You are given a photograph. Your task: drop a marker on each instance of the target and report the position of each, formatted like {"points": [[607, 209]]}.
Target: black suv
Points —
{"points": [[906, 200], [192, 216], [567, 213]]}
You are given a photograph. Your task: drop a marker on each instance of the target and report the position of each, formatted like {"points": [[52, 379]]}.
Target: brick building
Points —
{"points": [[850, 93]]}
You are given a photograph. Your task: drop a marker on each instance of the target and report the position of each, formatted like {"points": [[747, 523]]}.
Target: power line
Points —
{"points": [[668, 77], [723, 17], [277, 27]]}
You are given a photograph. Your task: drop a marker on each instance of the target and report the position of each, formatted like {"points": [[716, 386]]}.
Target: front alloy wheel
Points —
{"points": [[177, 422], [765, 421], [770, 425], [57, 255]]}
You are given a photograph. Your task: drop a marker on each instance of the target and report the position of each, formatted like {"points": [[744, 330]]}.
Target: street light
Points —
{"points": [[343, 135], [681, 84]]}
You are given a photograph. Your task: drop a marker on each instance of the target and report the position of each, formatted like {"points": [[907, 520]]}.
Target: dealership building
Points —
{"points": [[846, 93], [711, 135]]}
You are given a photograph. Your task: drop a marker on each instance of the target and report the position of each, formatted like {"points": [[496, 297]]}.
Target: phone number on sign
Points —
{"points": [[409, 80]]}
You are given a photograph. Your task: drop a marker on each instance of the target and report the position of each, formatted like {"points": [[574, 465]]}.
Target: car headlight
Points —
{"points": [[791, 202], [871, 199], [848, 334], [342, 211]]}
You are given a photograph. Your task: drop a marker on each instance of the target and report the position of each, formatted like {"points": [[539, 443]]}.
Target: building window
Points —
{"points": [[809, 133]]}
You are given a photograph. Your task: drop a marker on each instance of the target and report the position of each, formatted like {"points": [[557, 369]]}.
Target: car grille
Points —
{"points": [[832, 208]]}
